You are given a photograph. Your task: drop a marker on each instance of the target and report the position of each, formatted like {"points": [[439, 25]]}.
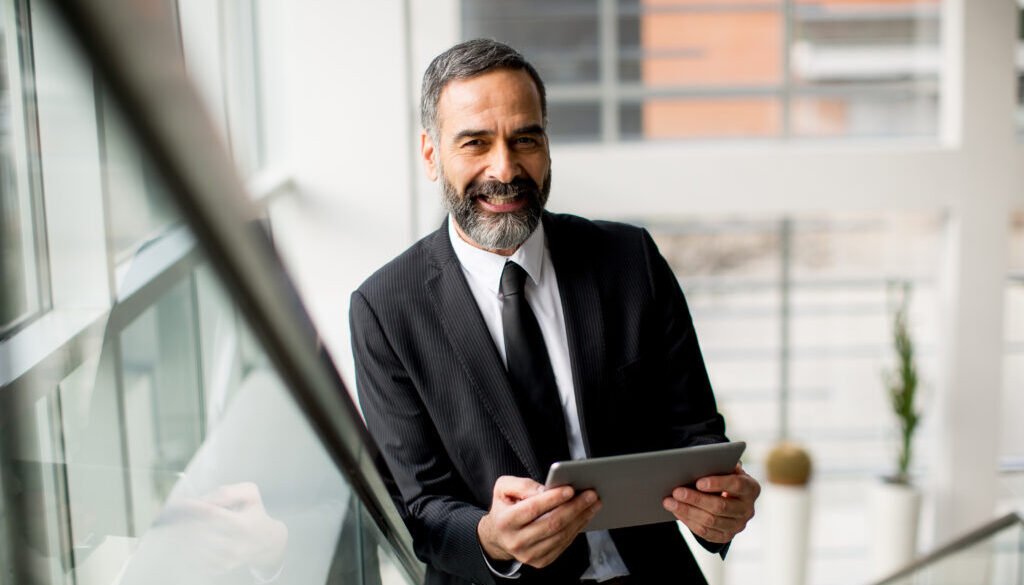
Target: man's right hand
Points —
{"points": [[533, 525]]}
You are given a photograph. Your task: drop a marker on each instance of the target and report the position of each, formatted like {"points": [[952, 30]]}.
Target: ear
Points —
{"points": [[428, 154]]}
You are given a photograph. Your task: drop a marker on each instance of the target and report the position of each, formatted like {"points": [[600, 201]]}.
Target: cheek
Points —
{"points": [[538, 171], [453, 181], [462, 175]]}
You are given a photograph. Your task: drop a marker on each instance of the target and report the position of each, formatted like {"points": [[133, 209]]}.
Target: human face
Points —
{"points": [[491, 155]]}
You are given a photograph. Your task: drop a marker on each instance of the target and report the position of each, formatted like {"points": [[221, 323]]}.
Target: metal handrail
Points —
{"points": [[137, 57], [958, 544]]}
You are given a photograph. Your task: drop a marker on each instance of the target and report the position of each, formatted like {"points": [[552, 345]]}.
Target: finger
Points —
{"points": [[712, 534], [703, 524], [512, 488], [526, 511], [752, 482], [581, 520], [547, 549], [717, 505], [562, 518], [234, 496], [566, 519], [739, 485]]}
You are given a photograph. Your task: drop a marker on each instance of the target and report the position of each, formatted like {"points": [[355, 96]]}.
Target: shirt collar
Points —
{"points": [[486, 266]]}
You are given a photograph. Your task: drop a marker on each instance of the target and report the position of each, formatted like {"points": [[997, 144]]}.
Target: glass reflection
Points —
{"points": [[149, 464], [259, 500]]}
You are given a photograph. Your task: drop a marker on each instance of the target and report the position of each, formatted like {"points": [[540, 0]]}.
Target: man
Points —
{"points": [[512, 338]]}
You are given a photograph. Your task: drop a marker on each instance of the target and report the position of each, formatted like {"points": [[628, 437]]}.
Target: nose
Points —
{"points": [[503, 164]]}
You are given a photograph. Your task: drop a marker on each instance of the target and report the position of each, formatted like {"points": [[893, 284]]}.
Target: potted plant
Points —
{"points": [[896, 502]]}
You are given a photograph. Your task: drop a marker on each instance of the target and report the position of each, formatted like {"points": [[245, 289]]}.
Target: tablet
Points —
{"points": [[632, 487]]}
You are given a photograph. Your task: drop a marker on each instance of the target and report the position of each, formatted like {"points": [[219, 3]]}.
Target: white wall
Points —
{"points": [[436, 25], [346, 125]]}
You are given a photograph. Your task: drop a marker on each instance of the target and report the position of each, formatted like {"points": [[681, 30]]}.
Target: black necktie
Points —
{"points": [[529, 370]]}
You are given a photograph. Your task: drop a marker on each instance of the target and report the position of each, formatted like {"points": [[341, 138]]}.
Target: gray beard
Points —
{"points": [[496, 231]]}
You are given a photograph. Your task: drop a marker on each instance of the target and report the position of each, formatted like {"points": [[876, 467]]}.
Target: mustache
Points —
{"points": [[518, 186]]}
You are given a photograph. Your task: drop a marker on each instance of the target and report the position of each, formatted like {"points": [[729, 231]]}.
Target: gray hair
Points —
{"points": [[465, 60]]}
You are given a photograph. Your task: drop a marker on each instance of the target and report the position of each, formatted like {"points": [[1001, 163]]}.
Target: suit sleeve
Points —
{"points": [[432, 499], [695, 417]]}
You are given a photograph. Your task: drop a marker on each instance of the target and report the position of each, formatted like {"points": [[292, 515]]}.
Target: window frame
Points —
{"points": [[27, 166]]}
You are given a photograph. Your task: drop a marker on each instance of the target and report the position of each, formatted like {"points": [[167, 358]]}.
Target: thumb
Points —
{"points": [[513, 488]]}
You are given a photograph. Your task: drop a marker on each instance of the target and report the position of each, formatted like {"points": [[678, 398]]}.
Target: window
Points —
{"points": [[864, 68], [794, 317], [23, 268], [700, 69], [138, 210]]}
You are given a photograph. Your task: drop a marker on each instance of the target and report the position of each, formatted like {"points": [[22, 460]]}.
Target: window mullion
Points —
{"points": [[787, 77], [609, 39]]}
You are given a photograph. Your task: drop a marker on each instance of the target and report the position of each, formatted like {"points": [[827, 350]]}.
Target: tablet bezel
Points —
{"points": [[632, 487]]}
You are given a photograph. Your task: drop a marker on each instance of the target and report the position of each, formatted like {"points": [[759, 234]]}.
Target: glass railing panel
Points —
{"points": [[995, 558], [175, 454], [160, 387], [99, 521], [381, 565]]}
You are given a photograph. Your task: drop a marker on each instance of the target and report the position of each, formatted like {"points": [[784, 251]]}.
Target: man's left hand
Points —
{"points": [[719, 508]]}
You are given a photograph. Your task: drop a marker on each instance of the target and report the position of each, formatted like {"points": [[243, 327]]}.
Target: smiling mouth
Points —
{"points": [[500, 199]]}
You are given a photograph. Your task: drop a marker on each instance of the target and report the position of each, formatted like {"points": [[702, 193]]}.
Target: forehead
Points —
{"points": [[489, 101]]}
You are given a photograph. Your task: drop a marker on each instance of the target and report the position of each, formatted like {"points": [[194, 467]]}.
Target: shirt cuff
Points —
{"points": [[503, 569]]}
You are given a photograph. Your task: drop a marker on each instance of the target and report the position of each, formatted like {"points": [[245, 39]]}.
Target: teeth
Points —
{"points": [[501, 199]]}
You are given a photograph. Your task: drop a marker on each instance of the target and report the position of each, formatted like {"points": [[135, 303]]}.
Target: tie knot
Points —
{"points": [[512, 278]]}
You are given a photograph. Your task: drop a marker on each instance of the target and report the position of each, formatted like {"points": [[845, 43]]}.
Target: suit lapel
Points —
{"points": [[584, 323], [466, 331]]}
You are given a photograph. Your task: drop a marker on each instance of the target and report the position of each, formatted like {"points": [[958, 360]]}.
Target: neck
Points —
{"points": [[506, 252]]}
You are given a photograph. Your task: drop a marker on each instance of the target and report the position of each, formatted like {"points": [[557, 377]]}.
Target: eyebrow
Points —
{"points": [[471, 134], [531, 129]]}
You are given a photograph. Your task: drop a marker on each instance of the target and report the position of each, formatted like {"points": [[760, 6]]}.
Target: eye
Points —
{"points": [[525, 141], [476, 142]]}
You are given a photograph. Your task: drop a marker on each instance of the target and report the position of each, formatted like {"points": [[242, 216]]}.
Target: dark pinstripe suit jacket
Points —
{"points": [[437, 399]]}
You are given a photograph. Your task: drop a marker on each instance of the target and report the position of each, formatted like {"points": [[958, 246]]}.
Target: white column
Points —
{"points": [[979, 94]]}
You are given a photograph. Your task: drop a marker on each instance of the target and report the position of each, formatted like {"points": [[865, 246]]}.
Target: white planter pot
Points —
{"points": [[787, 514], [710, 563], [895, 509]]}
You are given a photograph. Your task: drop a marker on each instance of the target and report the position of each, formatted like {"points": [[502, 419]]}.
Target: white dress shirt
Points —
{"points": [[483, 273]]}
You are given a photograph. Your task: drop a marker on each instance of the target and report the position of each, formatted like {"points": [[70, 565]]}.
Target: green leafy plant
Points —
{"points": [[902, 383]]}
